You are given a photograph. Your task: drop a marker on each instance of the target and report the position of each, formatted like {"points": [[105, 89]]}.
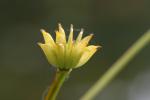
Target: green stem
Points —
{"points": [[117, 67], [58, 81]]}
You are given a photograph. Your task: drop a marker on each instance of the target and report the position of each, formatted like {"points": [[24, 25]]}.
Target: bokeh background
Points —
{"points": [[25, 73]]}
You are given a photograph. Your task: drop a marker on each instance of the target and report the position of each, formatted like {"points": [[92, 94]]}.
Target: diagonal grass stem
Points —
{"points": [[117, 67]]}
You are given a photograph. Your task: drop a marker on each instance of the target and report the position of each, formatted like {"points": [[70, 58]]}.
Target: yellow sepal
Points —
{"points": [[79, 36], [47, 38], [84, 42], [88, 53], [60, 35], [49, 53]]}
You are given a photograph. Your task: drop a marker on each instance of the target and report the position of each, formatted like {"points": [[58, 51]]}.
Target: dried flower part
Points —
{"points": [[67, 54]]}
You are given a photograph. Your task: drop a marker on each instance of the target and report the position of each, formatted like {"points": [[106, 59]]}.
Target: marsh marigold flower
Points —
{"points": [[67, 54]]}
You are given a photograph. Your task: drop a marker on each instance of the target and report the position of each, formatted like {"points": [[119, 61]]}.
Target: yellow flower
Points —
{"points": [[67, 54]]}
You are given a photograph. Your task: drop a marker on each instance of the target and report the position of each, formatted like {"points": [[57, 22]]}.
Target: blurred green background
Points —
{"points": [[25, 73]]}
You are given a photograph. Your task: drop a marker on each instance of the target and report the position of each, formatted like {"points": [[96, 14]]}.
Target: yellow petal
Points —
{"points": [[50, 53], [76, 54], [47, 38], [59, 38], [79, 36], [67, 56], [88, 53], [84, 42], [70, 39], [60, 54], [68, 49], [60, 35]]}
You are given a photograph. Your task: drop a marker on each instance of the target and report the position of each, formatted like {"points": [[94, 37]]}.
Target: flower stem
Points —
{"points": [[58, 81], [117, 66]]}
